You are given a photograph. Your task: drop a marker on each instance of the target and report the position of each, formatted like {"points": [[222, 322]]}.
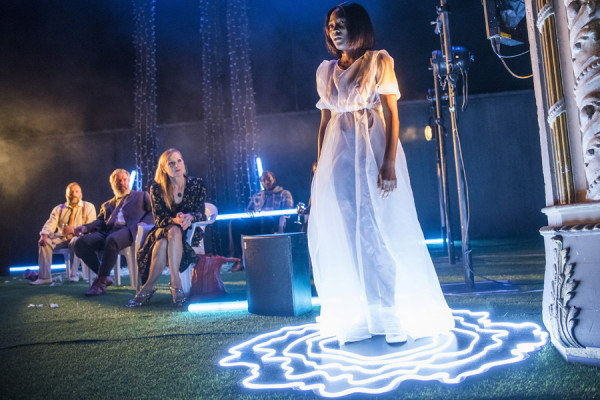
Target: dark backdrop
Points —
{"points": [[66, 80]]}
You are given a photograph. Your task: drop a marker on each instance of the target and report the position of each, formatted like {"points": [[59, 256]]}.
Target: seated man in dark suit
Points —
{"points": [[113, 230]]}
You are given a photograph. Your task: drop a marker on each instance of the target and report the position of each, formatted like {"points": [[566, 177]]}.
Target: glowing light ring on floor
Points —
{"points": [[298, 357]]}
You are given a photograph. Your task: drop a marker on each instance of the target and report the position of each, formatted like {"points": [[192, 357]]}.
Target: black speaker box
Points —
{"points": [[277, 274]]}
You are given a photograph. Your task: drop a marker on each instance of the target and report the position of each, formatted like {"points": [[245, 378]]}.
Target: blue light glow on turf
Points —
{"points": [[298, 357]]}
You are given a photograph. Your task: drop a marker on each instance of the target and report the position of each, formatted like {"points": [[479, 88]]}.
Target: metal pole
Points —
{"points": [[442, 171], [447, 52]]}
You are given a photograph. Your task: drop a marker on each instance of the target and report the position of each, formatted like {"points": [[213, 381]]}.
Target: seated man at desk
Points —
{"points": [[57, 232], [272, 197]]}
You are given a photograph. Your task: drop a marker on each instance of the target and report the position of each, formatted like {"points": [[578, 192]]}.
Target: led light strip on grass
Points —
{"points": [[298, 357], [229, 306], [54, 267], [220, 306]]}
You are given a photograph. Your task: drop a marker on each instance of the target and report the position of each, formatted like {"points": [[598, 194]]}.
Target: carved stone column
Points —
{"points": [[584, 31], [563, 37]]}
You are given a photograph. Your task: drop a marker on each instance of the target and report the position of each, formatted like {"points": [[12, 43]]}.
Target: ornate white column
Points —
{"points": [[584, 30], [565, 53]]}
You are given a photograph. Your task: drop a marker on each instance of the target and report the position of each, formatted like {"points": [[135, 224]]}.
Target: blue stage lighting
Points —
{"points": [[242, 215], [259, 169], [132, 178], [54, 267]]}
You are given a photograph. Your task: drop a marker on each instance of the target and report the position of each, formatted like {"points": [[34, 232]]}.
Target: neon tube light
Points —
{"points": [[259, 169], [229, 306], [221, 306], [132, 176], [54, 267], [277, 213], [242, 215]]}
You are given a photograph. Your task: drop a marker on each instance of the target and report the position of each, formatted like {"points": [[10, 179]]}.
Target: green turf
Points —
{"points": [[95, 348]]}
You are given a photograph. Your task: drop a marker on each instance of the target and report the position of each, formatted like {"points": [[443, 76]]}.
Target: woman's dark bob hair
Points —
{"points": [[360, 29]]}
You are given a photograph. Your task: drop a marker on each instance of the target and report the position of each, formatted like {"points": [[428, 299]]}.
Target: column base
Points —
{"points": [[571, 302]]}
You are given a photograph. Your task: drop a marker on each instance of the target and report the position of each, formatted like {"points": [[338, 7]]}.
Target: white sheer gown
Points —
{"points": [[371, 266]]}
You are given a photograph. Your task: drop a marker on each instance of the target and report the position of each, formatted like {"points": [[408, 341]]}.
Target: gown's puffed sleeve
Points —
{"points": [[323, 88], [386, 77]]}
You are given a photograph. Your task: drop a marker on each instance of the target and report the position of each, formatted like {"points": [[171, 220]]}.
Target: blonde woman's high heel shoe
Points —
{"points": [[178, 296], [140, 299]]}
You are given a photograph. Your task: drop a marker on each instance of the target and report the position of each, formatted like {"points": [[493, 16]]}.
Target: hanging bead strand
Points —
{"points": [[144, 97]]}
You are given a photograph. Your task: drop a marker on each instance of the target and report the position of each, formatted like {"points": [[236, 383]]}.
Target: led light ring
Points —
{"points": [[488, 334], [400, 368], [388, 364], [254, 368], [235, 352], [331, 353]]}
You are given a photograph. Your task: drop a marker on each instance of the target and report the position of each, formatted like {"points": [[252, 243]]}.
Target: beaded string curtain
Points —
{"points": [[145, 123], [229, 166], [213, 105], [243, 113]]}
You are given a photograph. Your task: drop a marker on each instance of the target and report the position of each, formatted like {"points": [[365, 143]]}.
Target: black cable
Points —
{"points": [[85, 341]]}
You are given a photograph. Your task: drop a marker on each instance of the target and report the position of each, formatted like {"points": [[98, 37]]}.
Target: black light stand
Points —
{"points": [[435, 101], [448, 65]]}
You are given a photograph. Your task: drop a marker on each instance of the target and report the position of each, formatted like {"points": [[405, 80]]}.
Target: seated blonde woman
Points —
{"points": [[177, 202]]}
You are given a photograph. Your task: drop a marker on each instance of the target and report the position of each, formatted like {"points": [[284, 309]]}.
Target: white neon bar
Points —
{"points": [[132, 176], [257, 214], [229, 306], [434, 241], [54, 267], [221, 306]]}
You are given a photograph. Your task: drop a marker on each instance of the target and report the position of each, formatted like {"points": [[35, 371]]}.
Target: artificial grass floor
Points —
{"points": [[95, 348]]}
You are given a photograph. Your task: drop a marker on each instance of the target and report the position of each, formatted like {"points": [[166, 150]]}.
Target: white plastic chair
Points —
{"points": [[211, 212], [67, 255], [129, 254]]}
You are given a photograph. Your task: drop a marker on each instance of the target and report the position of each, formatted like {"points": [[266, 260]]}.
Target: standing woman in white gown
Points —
{"points": [[371, 266]]}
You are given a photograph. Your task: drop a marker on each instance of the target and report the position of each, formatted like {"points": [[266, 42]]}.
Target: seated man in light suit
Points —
{"points": [[113, 230], [57, 232]]}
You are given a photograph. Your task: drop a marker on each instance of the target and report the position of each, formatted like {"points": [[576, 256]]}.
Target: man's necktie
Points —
{"points": [[72, 216], [71, 220]]}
